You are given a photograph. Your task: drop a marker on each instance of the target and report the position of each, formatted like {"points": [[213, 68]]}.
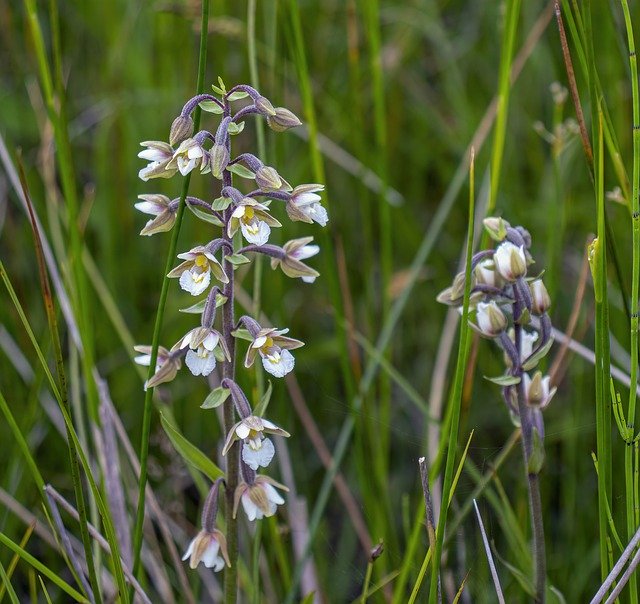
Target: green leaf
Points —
{"points": [[210, 107], [242, 334], [241, 171], [261, 407], [198, 307], [215, 398], [221, 203], [237, 95], [189, 452], [237, 259], [202, 215], [235, 128], [504, 380], [536, 357]]}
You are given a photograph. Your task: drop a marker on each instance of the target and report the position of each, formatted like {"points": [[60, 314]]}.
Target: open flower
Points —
{"points": [[273, 347], [291, 264], [537, 390], [510, 261], [159, 154], [160, 207], [210, 548], [195, 271], [257, 450], [304, 205], [259, 499], [189, 155], [167, 364], [205, 343], [254, 220]]}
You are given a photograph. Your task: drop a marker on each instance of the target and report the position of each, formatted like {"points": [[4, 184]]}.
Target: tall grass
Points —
{"points": [[393, 95]]}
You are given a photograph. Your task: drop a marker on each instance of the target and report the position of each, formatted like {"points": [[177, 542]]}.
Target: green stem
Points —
{"points": [[146, 420]]}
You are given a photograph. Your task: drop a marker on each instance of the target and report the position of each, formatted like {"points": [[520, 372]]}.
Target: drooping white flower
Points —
{"points": [[160, 207], [195, 271], [257, 450], [210, 548], [304, 205], [510, 261], [167, 364], [295, 251], [273, 347], [189, 155], [254, 220], [528, 339], [159, 155], [205, 344], [259, 499]]}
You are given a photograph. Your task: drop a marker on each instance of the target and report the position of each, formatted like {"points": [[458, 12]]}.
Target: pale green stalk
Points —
{"points": [[456, 398]]}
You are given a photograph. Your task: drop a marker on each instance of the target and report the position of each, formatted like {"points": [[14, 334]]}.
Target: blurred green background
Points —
{"points": [[394, 128]]}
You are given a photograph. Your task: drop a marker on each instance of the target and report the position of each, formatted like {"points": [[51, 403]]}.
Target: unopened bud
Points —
{"points": [[540, 297], [264, 106], [376, 552], [181, 129], [282, 120], [537, 390], [491, 320], [496, 227], [219, 159], [510, 261], [268, 179]]}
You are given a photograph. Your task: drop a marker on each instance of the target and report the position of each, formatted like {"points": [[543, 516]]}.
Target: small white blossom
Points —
{"points": [[261, 457], [510, 261], [167, 365], [486, 274], [159, 155], [195, 271], [491, 319], [273, 347], [295, 251], [254, 220], [538, 390], [304, 205], [257, 450], [160, 207], [210, 548], [189, 155], [259, 499], [203, 343]]}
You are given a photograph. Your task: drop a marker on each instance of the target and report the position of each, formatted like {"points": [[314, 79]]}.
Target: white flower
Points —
{"points": [[210, 548], [189, 155], [291, 264], [527, 341], [486, 273], [537, 390], [260, 457], [159, 155], [278, 362], [510, 261], [257, 450], [273, 347], [203, 343], [254, 220], [491, 320], [259, 499], [160, 207], [195, 271], [304, 205], [167, 364]]}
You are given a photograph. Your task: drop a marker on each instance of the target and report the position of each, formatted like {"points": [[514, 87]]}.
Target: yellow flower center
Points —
{"points": [[201, 261]]}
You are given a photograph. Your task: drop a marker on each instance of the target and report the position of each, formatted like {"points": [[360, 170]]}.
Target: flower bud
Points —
{"points": [[181, 129], [491, 320], [268, 179], [540, 297], [486, 274], [537, 391], [510, 261], [264, 106], [496, 227], [282, 120], [219, 159]]}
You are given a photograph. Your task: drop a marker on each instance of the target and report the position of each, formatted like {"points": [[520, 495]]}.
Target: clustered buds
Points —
{"points": [[240, 213], [503, 301]]}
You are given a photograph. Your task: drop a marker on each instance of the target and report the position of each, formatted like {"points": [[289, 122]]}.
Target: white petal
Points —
{"points": [[319, 214], [195, 286], [262, 457], [219, 565], [272, 494], [211, 341], [309, 279], [242, 430], [278, 364], [200, 364], [148, 207], [267, 424], [306, 251], [143, 359], [257, 232], [152, 155], [304, 199], [251, 509], [189, 549], [210, 556], [259, 342]]}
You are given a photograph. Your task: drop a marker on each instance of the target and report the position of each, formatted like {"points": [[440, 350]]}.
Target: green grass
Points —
{"points": [[403, 90]]}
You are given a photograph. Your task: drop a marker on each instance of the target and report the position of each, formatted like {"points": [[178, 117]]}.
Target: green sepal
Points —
{"points": [[242, 334], [215, 398], [202, 215], [237, 259], [241, 171]]}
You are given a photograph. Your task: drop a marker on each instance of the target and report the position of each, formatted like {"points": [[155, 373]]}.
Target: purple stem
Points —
{"points": [[248, 110], [251, 161], [268, 250], [193, 103]]}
